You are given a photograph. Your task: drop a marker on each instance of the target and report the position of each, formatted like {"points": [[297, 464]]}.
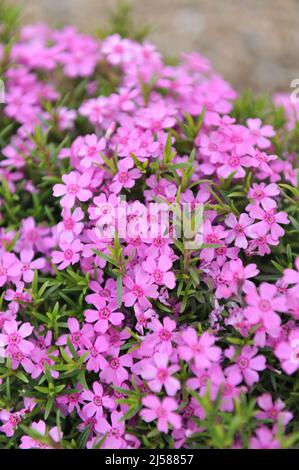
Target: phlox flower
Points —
{"points": [[288, 352], [159, 271], [269, 223], [126, 176], [29, 265], [105, 208], [201, 349], [104, 315], [54, 434], [90, 150], [74, 187], [69, 254], [11, 421], [139, 289], [162, 337], [77, 335], [71, 225], [260, 133], [263, 305], [115, 431], [264, 439], [12, 336], [247, 365], [159, 374], [114, 369], [212, 236], [95, 359], [238, 230], [72, 401], [163, 411], [291, 276], [273, 410], [262, 194], [10, 267], [97, 401]]}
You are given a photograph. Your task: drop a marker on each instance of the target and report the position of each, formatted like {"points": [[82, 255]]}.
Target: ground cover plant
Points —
{"points": [[139, 339]]}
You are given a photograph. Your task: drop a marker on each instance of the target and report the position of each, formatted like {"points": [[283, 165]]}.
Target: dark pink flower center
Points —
{"points": [[239, 229], [69, 223], [138, 291], [123, 177], [164, 334], [234, 161], [243, 362], [104, 313], [162, 374], [265, 305], [161, 412], [68, 254], [97, 400], [114, 363], [72, 188], [158, 275], [269, 217], [14, 338]]}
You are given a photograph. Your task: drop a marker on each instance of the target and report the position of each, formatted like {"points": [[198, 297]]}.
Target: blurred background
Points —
{"points": [[252, 43]]}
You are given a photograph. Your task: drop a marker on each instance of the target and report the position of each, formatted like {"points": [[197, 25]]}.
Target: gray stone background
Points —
{"points": [[252, 43]]}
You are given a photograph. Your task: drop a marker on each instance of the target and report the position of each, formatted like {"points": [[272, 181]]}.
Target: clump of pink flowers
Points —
{"points": [[105, 313]]}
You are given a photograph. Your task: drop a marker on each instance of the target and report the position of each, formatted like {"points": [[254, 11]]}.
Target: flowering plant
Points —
{"points": [[116, 331]]}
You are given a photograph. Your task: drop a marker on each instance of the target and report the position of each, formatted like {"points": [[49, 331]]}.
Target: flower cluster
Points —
{"points": [[109, 334]]}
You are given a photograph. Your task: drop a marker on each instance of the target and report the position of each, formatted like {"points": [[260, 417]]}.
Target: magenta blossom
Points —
{"points": [[163, 411], [97, 401], [159, 374], [139, 289], [74, 188], [247, 366], [68, 255]]}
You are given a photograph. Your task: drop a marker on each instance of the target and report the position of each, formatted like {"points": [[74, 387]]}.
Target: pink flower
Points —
{"points": [[212, 236], [239, 229], [158, 374], [246, 366], [90, 150], [28, 442], [264, 439], [288, 352], [262, 194], [68, 255], [97, 401], [161, 338], [113, 370], [115, 431], [269, 223], [291, 276], [262, 307], [160, 271], [10, 267], [104, 315], [259, 132], [104, 209], [11, 422], [199, 349], [71, 226], [139, 289], [74, 188], [78, 337], [95, 359], [163, 411], [273, 411], [14, 337], [125, 178], [28, 266]]}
